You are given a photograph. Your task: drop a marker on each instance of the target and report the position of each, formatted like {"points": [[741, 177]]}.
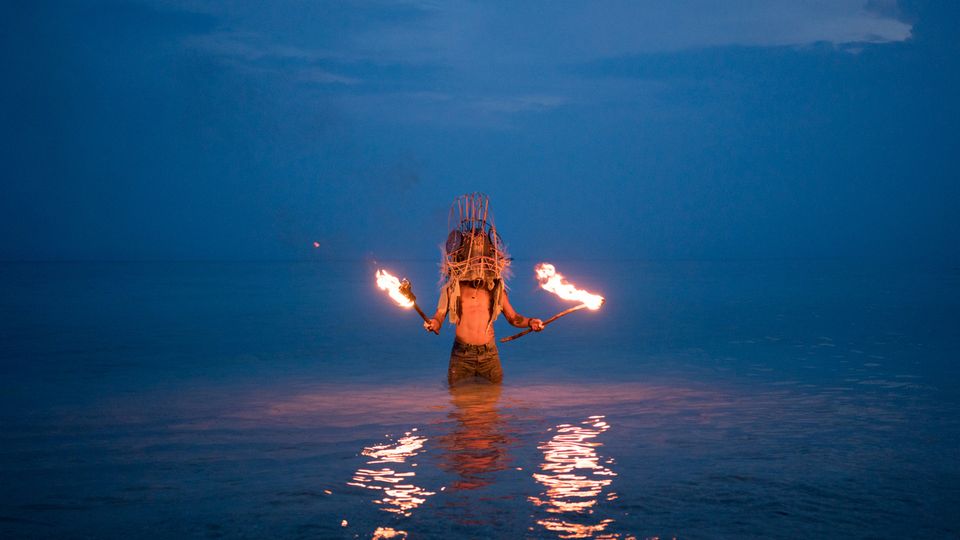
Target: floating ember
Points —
{"points": [[553, 281], [391, 284]]}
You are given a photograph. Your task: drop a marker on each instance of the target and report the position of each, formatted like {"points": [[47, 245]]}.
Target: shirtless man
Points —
{"points": [[474, 293], [475, 347]]}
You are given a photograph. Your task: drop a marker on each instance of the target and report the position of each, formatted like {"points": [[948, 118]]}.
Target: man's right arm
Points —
{"points": [[434, 324]]}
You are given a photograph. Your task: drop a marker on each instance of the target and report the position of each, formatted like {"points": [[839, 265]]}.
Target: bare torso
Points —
{"points": [[474, 327]]}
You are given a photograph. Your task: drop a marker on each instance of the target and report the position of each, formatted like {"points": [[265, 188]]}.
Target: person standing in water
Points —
{"points": [[473, 291]]}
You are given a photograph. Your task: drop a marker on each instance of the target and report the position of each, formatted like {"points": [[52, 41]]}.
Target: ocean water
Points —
{"points": [[776, 399]]}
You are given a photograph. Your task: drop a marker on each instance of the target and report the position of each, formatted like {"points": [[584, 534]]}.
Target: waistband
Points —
{"points": [[461, 346]]}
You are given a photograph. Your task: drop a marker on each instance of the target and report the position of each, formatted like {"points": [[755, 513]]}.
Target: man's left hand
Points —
{"points": [[536, 325]]}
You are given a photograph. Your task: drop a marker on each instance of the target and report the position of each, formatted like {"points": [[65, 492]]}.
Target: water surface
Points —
{"points": [[705, 400]]}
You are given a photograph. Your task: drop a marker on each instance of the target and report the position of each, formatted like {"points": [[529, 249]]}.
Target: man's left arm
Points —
{"points": [[516, 319]]}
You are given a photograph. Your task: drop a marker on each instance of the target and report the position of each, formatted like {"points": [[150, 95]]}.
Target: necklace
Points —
{"points": [[476, 285]]}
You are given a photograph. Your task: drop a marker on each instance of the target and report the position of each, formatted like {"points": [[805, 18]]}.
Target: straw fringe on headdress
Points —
{"points": [[473, 252]]}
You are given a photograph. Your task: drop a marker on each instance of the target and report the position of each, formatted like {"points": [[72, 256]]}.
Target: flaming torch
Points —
{"points": [[553, 281], [400, 291]]}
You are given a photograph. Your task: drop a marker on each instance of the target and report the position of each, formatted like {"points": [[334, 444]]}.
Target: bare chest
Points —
{"points": [[472, 298]]}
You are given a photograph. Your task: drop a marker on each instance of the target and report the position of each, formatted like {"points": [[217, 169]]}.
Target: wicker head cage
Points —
{"points": [[474, 250]]}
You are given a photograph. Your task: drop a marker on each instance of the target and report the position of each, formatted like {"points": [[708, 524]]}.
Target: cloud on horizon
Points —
{"points": [[494, 61], [457, 34]]}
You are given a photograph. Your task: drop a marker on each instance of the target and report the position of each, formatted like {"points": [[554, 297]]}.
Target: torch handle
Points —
{"points": [[424, 316], [407, 290], [545, 323]]}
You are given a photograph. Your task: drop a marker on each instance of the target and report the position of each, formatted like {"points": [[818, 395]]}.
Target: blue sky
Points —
{"points": [[693, 129]]}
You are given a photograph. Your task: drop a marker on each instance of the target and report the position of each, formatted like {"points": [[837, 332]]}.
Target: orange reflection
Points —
{"points": [[477, 445], [576, 530], [400, 495], [385, 533], [574, 478]]}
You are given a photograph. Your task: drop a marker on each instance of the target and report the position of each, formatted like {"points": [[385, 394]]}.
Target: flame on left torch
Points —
{"points": [[391, 284]]}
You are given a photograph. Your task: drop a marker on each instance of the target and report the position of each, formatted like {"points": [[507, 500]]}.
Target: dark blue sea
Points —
{"points": [[748, 399]]}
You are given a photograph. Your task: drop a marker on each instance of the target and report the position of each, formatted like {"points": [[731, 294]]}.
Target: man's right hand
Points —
{"points": [[432, 325]]}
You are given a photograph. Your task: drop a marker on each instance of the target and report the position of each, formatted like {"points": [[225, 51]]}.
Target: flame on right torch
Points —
{"points": [[554, 282]]}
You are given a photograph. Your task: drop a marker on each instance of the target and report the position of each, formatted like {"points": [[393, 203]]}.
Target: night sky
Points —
{"points": [[653, 130]]}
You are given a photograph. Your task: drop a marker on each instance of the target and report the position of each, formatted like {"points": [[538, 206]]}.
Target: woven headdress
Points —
{"points": [[474, 250]]}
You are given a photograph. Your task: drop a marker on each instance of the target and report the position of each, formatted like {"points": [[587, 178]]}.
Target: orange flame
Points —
{"points": [[391, 284], [553, 281]]}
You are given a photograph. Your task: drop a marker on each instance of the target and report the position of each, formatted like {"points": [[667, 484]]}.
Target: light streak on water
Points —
{"points": [[388, 533], [399, 494], [574, 479]]}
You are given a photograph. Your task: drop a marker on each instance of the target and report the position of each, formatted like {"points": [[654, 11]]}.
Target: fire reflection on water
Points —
{"points": [[387, 533], [574, 479], [400, 495], [477, 445]]}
